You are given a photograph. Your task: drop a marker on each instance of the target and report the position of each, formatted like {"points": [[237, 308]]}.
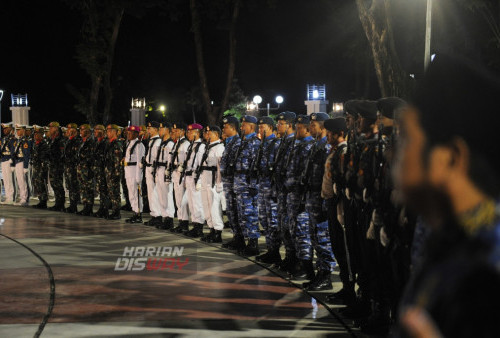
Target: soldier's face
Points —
{"points": [[247, 128], [302, 130], [132, 135], [315, 128], [111, 133], [282, 127], [20, 132], [38, 137]]}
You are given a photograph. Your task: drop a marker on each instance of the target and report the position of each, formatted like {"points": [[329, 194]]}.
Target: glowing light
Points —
{"points": [[257, 99], [279, 99], [315, 94], [162, 108], [432, 57]]}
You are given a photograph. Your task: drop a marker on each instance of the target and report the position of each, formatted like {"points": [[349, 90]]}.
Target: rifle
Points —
{"points": [[255, 167], [307, 169], [203, 159], [232, 164], [277, 159], [170, 169], [183, 166]]}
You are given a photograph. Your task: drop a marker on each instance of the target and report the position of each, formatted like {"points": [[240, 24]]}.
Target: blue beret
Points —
{"points": [[249, 118], [179, 125], [266, 120], [287, 116], [364, 108], [389, 106], [230, 119], [319, 117], [303, 119]]}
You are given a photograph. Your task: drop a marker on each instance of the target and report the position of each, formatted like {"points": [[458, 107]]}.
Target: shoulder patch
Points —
{"points": [[25, 146]]}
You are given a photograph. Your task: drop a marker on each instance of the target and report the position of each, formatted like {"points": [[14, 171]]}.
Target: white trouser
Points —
{"points": [[8, 181], [182, 209], [162, 189], [170, 199], [194, 201], [21, 182], [211, 200], [133, 189], [223, 201], [154, 203]]}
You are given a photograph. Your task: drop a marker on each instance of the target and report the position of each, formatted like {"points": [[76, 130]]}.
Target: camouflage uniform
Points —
{"points": [[56, 170], [112, 168], [70, 170], [100, 175], [231, 147], [85, 172], [39, 161]]}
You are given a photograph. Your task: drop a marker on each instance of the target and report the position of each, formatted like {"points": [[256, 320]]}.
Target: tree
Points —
{"points": [[375, 16], [214, 113]]}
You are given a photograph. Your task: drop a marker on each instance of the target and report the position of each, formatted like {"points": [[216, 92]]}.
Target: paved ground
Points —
{"points": [[71, 273]]}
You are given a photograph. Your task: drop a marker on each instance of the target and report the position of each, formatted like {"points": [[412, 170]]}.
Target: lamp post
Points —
{"points": [[137, 111], [428, 24], [257, 99]]}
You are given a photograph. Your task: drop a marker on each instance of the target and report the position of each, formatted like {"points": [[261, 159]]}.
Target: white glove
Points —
{"points": [[25, 170], [348, 193], [141, 165], [11, 162], [198, 186], [370, 233], [335, 188], [218, 187], [365, 195], [12, 169], [138, 180], [180, 169]]}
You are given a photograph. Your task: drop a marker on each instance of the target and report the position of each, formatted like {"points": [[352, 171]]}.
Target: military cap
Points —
{"points": [[195, 126], [99, 127], [64, 129], [165, 125], [303, 119], [249, 119], [72, 125], [54, 124], [153, 124], [364, 108], [287, 116], [29, 127], [85, 126], [112, 126], [20, 126], [266, 120], [231, 120], [7, 125], [179, 125], [389, 106], [134, 128], [38, 129], [214, 129], [336, 125], [320, 117], [46, 129]]}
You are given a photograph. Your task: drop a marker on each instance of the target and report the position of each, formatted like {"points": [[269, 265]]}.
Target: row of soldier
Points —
{"points": [[319, 187]]}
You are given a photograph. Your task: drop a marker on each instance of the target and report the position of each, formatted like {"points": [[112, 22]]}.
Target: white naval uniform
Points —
{"points": [[179, 190], [7, 176], [194, 196], [211, 186], [133, 173], [162, 187], [20, 167], [154, 203]]}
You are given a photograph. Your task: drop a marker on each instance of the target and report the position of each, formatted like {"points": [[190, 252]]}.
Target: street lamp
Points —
{"points": [[257, 99]]}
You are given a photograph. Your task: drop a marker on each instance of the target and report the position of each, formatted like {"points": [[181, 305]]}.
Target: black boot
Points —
{"points": [[361, 308], [208, 237], [104, 213], [135, 219], [41, 205], [196, 232], [86, 211], [126, 207], [99, 212], [153, 221], [59, 206], [237, 243], [166, 224], [346, 295], [322, 281], [303, 270], [217, 237], [252, 248], [72, 208], [288, 263], [182, 227], [114, 215], [270, 257], [379, 322]]}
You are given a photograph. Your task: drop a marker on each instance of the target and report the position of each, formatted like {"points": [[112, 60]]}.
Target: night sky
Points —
{"points": [[280, 49]]}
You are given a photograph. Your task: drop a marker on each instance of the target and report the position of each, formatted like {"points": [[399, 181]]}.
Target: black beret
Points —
{"points": [[165, 125], [179, 125], [364, 108], [390, 106], [303, 119], [231, 120], [336, 125], [319, 117], [214, 128], [154, 124], [458, 97], [266, 120]]}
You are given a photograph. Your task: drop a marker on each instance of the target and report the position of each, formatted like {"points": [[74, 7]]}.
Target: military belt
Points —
{"points": [[161, 164], [148, 165], [207, 168], [128, 164], [188, 173]]}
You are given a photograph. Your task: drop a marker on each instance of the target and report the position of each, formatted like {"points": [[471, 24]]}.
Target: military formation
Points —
{"points": [[317, 186]]}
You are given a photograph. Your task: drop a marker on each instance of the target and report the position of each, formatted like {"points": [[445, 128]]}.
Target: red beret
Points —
{"points": [[195, 126], [134, 128]]}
